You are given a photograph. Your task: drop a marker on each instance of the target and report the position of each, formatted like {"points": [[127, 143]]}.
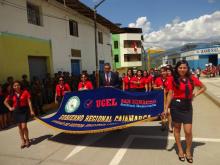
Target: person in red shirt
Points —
{"points": [[139, 82], [161, 82], [19, 102], [84, 84], [147, 82], [179, 100], [61, 89], [127, 85]]}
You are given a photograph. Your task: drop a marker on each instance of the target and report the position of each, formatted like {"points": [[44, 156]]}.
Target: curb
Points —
{"points": [[212, 97]]}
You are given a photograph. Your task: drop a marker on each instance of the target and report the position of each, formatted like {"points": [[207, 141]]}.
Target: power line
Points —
{"points": [[5, 2]]}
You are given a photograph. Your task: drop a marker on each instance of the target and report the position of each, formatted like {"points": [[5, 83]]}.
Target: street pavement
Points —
{"points": [[213, 88], [141, 144]]}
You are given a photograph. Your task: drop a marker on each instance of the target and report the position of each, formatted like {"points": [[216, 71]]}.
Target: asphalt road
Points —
{"points": [[142, 144]]}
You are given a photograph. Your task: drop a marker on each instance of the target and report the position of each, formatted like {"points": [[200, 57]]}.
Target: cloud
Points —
{"points": [[211, 1], [141, 22], [205, 28]]}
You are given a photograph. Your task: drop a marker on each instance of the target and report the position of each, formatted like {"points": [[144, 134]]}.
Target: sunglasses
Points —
{"points": [[60, 80]]}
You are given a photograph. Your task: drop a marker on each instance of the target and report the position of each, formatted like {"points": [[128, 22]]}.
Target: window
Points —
{"points": [[75, 53], [116, 58], [132, 43], [116, 44], [33, 14], [73, 26], [132, 57], [100, 37]]}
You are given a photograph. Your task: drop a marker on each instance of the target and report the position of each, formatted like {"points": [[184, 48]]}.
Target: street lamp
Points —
{"points": [[96, 46]]}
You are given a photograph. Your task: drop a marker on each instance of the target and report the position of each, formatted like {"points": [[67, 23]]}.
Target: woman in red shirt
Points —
{"points": [[179, 99], [161, 82], [127, 85], [139, 82], [84, 84], [147, 80], [61, 89], [19, 103]]}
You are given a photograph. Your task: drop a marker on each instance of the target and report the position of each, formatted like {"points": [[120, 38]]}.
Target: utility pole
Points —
{"points": [[96, 45]]}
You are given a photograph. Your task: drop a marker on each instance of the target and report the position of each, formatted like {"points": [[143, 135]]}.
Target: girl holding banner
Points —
{"points": [[84, 83], [161, 82], [127, 85], [61, 89], [179, 99], [19, 103], [139, 82]]}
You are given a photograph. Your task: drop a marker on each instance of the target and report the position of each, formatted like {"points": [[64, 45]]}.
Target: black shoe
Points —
{"points": [[182, 158], [189, 159]]}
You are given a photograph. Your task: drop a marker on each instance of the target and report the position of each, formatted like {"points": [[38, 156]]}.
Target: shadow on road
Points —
{"points": [[116, 139], [39, 139], [194, 145]]}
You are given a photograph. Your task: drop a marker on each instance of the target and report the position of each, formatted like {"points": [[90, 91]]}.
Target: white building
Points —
{"points": [[67, 27], [127, 49]]}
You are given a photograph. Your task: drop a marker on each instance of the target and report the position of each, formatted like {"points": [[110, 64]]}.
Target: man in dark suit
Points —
{"points": [[109, 78]]}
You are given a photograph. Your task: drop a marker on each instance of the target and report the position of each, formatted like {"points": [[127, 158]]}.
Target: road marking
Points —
{"points": [[87, 141], [121, 152]]}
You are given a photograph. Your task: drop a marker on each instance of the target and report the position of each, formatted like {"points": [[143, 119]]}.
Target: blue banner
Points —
{"points": [[105, 109]]}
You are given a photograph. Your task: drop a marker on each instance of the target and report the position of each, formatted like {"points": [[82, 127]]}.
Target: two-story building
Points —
{"points": [[47, 36], [127, 49]]}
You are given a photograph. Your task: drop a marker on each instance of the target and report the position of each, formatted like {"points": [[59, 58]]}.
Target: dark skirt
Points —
{"points": [[21, 115], [130, 90], [59, 99], [140, 90], [181, 111]]}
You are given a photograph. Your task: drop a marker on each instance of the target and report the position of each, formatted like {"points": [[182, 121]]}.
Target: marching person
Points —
{"points": [[127, 85], [109, 78], [139, 82], [179, 99], [84, 83], [19, 103], [161, 82], [147, 80], [61, 89]]}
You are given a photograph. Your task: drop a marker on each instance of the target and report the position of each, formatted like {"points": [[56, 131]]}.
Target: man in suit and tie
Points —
{"points": [[109, 78]]}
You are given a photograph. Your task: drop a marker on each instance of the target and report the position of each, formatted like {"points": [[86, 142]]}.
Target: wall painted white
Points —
{"points": [[56, 28], [129, 36]]}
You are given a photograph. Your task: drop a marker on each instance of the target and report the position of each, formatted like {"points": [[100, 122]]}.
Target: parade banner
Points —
{"points": [[105, 109]]}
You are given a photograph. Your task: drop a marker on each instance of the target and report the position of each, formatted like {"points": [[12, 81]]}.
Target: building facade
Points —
{"points": [[197, 55], [52, 35], [127, 49]]}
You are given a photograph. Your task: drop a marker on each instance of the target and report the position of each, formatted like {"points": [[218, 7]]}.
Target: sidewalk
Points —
{"points": [[213, 88]]}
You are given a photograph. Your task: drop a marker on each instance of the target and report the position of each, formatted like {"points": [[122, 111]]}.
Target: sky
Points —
{"points": [[165, 23]]}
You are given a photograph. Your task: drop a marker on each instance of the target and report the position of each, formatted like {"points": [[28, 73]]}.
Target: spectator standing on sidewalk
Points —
{"points": [[37, 97]]}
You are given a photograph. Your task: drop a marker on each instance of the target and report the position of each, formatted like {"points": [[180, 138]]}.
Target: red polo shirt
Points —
{"points": [[23, 99], [160, 82], [61, 89], [180, 93], [127, 82], [141, 81], [86, 86]]}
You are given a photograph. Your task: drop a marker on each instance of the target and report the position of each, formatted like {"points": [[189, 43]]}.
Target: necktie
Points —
{"points": [[107, 79], [187, 90], [18, 101]]}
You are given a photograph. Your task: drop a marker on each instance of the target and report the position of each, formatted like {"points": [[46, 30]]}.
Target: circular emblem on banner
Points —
{"points": [[72, 104]]}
